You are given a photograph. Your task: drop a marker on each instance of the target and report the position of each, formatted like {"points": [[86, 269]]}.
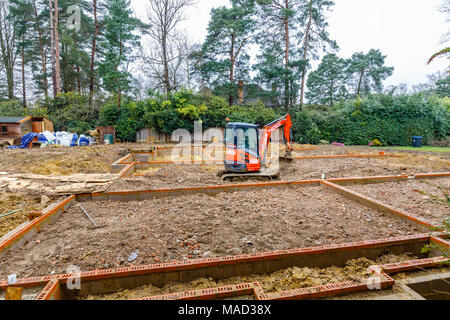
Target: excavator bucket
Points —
{"points": [[287, 157]]}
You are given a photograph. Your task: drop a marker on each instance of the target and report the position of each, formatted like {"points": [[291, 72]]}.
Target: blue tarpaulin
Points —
{"points": [[26, 140]]}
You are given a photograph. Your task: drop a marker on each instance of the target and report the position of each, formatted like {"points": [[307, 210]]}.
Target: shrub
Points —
{"points": [[392, 120], [304, 129], [12, 108], [376, 143], [72, 112]]}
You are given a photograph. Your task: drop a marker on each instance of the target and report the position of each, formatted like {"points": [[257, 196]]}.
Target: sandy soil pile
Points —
{"points": [[61, 161]]}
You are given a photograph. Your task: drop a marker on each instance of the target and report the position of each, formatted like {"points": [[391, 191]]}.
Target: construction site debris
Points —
{"points": [[10, 213]]}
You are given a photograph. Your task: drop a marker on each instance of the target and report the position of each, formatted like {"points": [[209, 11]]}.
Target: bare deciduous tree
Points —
{"points": [[166, 57]]}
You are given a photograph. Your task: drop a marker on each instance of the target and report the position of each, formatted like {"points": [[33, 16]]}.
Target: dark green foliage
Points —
{"points": [[327, 85], [225, 57], [391, 119], [71, 112], [120, 39], [304, 128], [128, 119], [179, 111], [12, 108], [368, 72], [443, 87]]}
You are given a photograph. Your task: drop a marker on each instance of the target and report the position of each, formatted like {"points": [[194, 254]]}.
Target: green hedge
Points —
{"points": [[179, 111], [391, 119]]}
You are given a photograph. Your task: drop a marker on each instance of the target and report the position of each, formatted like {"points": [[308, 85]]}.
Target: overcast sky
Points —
{"points": [[407, 31]]}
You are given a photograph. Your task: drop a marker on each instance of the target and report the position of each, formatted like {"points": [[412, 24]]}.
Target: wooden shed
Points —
{"points": [[12, 128]]}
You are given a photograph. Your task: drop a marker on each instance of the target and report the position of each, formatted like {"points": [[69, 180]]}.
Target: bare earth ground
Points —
{"points": [[429, 199], [195, 226], [11, 202], [62, 161], [288, 279], [177, 176], [201, 226], [26, 175]]}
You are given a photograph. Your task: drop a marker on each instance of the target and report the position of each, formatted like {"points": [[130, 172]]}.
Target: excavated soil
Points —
{"points": [[288, 279], [429, 199], [27, 293], [177, 176], [397, 292], [195, 226], [11, 202], [62, 161], [173, 176]]}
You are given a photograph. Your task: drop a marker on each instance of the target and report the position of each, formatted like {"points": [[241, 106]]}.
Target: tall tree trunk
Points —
{"points": [[305, 54], [358, 91], [94, 49], [119, 94], [43, 55], [78, 79], [286, 57], [78, 71], [166, 65], [232, 62], [54, 34], [24, 90], [52, 45], [332, 93], [57, 55], [7, 53]]}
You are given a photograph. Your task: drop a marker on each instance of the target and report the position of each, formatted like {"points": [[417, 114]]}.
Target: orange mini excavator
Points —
{"points": [[246, 149]]}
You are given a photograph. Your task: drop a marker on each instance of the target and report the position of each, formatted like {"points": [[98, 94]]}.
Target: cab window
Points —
{"points": [[247, 139]]}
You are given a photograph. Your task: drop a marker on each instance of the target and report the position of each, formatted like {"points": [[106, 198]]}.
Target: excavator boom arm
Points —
{"points": [[267, 131]]}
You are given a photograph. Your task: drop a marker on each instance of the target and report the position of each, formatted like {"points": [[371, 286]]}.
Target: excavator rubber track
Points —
{"points": [[267, 174]]}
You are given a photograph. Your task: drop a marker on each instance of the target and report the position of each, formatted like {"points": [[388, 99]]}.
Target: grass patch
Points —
{"points": [[424, 148]]}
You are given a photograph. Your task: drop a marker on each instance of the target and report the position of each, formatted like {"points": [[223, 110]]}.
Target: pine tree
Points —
{"points": [[224, 52], [120, 39], [279, 64], [55, 46], [328, 83], [31, 18], [8, 47], [20, 15], [314, 34], [75, 59], [367, 72]]}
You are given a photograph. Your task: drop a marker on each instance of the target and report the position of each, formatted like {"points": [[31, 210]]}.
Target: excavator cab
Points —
{"points": [[242, 147]]}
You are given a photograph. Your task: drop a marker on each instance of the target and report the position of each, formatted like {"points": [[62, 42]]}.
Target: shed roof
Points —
{"points": [[11, 119]]}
